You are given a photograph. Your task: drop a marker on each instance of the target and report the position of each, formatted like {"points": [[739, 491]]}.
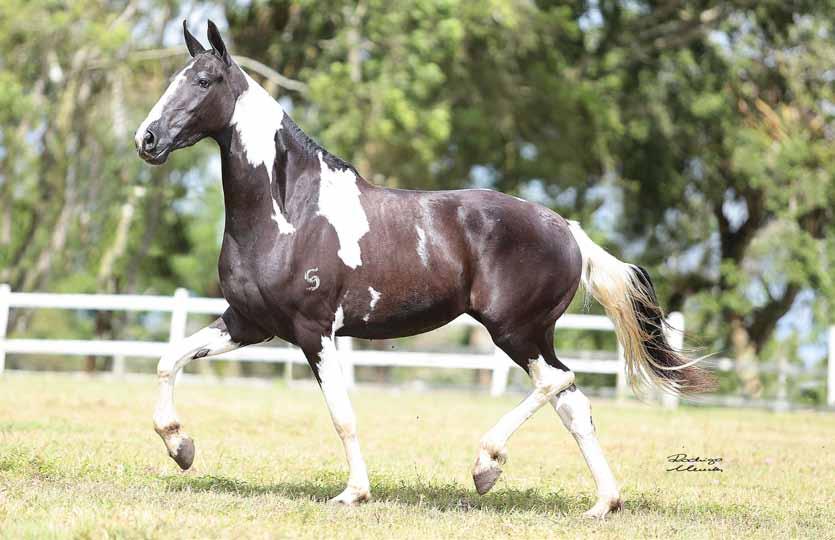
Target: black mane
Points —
{"points": [[312, 147]]}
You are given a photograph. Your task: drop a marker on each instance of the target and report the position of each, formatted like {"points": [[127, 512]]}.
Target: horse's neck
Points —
{"points": [[278, 194], [271, 168]]}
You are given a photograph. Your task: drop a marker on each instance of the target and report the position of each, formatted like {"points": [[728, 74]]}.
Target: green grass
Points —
{"points": [[78, 458]]}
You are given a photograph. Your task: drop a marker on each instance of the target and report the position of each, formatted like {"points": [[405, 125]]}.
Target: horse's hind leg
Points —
{"points": [[548, 380], [574, 410], [211, 340]]}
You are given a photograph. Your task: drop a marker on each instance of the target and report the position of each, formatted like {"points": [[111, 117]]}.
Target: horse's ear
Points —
{"points": [[218, 46], [194, 46]]}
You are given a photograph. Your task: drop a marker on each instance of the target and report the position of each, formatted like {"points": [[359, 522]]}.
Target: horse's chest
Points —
{"points": [[245, 279]]}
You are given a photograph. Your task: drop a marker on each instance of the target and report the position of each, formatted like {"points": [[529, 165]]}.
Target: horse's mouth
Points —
{"points": [[155, 159]]}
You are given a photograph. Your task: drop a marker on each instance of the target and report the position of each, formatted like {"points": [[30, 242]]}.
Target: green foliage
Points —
{"points": [[701, 132], [70, 97]]}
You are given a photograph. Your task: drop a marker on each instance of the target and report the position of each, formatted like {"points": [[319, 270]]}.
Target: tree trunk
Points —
{"points": [[746, 359]]}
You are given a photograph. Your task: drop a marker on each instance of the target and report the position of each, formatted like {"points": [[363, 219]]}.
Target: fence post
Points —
{"points": [[288, 372], [675, 337], [621, 383], [830, 375], [179, 319], [781, 403], [119, 365], [501, 373], [346, 343], [179, 316], [5, 300]]}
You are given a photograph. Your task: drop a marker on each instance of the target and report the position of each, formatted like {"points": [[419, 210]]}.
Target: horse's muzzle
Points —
{"points": [[151, 148]]}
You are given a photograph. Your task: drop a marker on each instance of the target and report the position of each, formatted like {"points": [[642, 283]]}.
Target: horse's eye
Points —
{"points": [[204, 83]]}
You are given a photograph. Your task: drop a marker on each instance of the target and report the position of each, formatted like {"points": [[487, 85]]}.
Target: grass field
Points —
{"points": [[78, 458]]}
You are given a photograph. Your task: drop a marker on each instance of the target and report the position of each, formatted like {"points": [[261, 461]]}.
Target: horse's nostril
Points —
{"points": [[149, 140]]}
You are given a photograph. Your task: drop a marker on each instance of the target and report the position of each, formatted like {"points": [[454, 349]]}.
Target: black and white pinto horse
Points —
{"points": [[312, 251]]}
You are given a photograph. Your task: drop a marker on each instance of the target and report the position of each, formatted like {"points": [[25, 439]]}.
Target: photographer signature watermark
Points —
{"points": [[684, 463]]}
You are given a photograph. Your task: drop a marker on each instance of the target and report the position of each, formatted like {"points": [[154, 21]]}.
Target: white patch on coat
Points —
{"points": [[339, 203], [312, 279], [284, 226], [257, 119], [338, 321], [375, 297], [421, 246], [156, 111]]}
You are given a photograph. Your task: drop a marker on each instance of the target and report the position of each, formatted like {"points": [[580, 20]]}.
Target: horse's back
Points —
{"points": [[439, 254]]}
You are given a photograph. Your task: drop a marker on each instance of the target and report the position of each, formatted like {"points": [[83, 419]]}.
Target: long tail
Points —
{"points": [[627, 294]]}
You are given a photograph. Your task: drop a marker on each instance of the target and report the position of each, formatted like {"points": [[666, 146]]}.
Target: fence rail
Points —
{"points": [[181, 305]]}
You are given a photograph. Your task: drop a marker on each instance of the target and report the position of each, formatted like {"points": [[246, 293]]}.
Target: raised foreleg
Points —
{"points": [[212, 340]]}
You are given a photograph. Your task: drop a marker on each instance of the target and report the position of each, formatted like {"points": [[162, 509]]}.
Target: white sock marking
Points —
{"points": [[339, 203], [336, 396], [214, 341], [547, 382], [575, 412]]}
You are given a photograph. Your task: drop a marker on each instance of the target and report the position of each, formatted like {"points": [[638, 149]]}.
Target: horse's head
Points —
{"points": [[198, 103]]}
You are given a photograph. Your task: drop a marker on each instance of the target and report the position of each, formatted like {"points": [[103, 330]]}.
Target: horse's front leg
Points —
{"points": [[328, 372], [212, 340]]}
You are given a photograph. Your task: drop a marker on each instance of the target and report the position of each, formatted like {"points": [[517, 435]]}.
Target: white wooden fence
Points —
{"points": [[180, 305]]}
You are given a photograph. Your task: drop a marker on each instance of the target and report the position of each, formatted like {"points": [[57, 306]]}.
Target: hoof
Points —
{"points": [[184, 455], [604, 507], [351, 497], [485, 479]]}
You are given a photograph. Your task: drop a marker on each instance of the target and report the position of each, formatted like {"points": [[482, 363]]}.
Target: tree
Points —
{"points": [[78, 210], [709, 123], [726, 162], [437, 94]]}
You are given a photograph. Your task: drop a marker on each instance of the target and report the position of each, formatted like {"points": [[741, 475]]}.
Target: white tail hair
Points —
{"points": [[628, 296]]}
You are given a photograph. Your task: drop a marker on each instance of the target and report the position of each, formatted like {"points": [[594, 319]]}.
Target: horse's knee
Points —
{"points": [[574, 409], [167, 365]]}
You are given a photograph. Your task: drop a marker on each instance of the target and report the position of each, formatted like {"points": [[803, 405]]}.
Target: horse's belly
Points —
{"points": [[399, 311]]}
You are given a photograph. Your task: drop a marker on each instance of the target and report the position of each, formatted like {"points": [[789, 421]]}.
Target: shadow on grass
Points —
{"points": [[455, 498], [427, 495]]}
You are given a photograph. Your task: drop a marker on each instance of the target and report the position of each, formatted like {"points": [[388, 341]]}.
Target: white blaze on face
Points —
{"points": [[375, 297], [421, 246], [257, 119], [156, 112], [339, 203]]}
